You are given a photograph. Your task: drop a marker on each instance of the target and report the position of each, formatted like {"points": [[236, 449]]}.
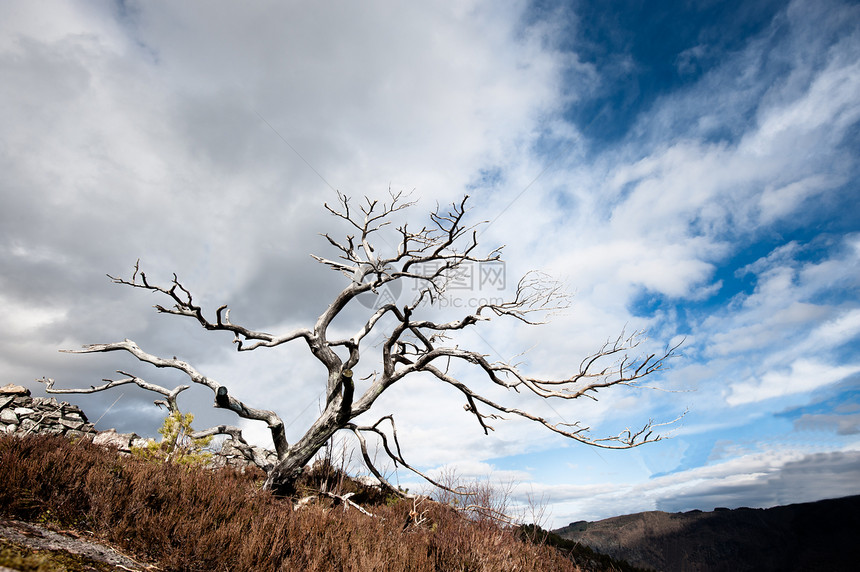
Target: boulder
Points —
{"points": [[73, 412], [12, 389], [8, 416], [28, 426], [71, 423]]}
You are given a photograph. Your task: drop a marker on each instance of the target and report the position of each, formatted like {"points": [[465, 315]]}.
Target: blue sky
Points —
{"points": [[688, 169]]}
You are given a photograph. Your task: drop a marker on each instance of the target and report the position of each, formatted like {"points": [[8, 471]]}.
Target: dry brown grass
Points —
{"points": [[192, 519]]}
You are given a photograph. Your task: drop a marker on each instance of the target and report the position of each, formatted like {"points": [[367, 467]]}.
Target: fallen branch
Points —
{"points": [[346, 500]]}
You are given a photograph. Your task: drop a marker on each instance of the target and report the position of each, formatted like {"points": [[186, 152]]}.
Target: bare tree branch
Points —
{"points": [[183, 305], [347, 501], [223, 400], [238, 441], [403, 337], [169, 394], [393, 454]]}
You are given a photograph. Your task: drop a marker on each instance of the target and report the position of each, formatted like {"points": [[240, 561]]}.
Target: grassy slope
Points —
{"points": [[190, 519]]}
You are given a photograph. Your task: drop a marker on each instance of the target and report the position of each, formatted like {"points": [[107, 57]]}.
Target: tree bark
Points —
{"points": [[282, 478]]}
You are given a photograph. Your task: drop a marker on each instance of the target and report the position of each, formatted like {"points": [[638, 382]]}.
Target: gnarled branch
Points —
{"points": [[402, 336], [183, 305], [276, 426]]}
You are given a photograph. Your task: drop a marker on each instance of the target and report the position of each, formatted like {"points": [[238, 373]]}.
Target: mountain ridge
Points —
{"points": [[820, 535]]}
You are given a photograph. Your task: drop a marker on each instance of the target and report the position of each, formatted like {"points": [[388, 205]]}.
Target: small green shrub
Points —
{"points": [[177, 445]]}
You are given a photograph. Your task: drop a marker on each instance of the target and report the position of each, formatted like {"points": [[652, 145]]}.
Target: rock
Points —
{"points": [[28, 426], [46, 541], [46, 401], [75, 435], [22, 415], [74, 413], [231, 456], [71, 423], [111, 438], [140, 443], [368, 481], [12, 389]]}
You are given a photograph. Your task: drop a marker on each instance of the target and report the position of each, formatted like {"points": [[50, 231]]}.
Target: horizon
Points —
{"points": [[685, 169]]}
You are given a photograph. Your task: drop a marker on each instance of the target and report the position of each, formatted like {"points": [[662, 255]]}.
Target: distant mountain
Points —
{"points": [[823, 535]]}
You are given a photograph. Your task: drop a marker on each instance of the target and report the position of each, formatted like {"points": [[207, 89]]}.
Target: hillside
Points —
{"points": [[810, 536], [144, 509], [186, 518], [73, 498]]}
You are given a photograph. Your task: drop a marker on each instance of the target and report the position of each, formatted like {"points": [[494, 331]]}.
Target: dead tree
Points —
{"points": [[411, 343]]}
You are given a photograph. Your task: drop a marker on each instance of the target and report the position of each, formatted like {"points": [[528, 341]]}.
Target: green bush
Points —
{"points": [[177, 445]]}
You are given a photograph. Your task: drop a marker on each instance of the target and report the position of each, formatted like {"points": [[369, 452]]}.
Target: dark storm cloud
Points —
{"points": [[815, 476]]}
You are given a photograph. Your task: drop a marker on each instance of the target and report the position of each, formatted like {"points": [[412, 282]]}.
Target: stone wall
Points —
{"points": [[21, 414]]}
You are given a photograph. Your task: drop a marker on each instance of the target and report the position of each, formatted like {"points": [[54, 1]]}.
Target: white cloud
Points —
{"points": [[776, 203], [30, 319], [784, 338], [764, 328], [830, 104], [803, 375], [838, 331]]}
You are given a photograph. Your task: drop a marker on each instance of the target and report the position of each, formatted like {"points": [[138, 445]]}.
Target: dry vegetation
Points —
{"points": [[187, 518]]}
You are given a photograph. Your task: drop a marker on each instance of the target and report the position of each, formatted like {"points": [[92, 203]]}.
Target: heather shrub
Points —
{"points": [[194, 519]]}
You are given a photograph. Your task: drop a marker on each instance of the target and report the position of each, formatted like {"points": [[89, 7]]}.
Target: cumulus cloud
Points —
{"points": [[143, 131], [802, 376]]}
